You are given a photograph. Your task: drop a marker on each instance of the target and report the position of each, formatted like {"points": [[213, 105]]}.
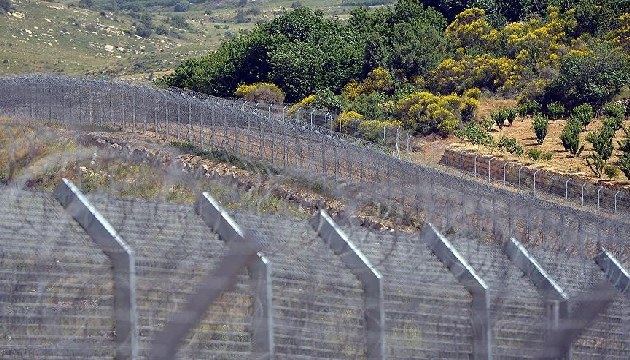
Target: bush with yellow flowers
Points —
{"points": [[480, 71], [471, 30], [424, 112], [620, 36], [261, 92], [378, 80], [348, 121], [302, 104], [539, 42]]}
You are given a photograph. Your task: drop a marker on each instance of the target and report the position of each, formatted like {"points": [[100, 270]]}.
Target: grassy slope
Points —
{"points": [[44, 36]]}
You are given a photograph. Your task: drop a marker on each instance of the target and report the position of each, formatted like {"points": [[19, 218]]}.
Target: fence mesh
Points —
{"points": [[271, 171]]}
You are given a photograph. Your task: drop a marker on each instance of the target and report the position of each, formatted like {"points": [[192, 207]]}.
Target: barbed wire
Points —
{"points": [[318, 304]]}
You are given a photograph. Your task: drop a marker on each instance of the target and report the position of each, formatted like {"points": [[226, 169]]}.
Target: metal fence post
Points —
{"points": [[556, 299], [535, 172], [372, 280], [466, 275], [614, 271], [504, 175], [123, 264], [259, 271], [617, 193], [583, 185], [166, 342], [475, 166], [489, 160], [598, 191]]}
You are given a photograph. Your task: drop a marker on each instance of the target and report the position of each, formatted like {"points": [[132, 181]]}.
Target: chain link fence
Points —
{"points": [[318, 303], [542, 183]]}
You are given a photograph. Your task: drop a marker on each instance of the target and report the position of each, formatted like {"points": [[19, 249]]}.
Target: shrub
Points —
{"points": [[624, 158], [583, 114], [611, 171], [473, 93], [537, 154], [261, 92], [528, 107], [616, 112], [541, 123], [304, 103], [510, 145], [427, 113], [486, 123], [570, 137], [596, 164], [327, 100], [499, 117], [511, 114], [373, 129], [347, 120], [593, 77], [476, 134], [555, 110], [479, 71], [378, 80], [602, 141], [468, 108]]}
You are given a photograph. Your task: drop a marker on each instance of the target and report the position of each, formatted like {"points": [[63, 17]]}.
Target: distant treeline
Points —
{"points": [[366, 2]]}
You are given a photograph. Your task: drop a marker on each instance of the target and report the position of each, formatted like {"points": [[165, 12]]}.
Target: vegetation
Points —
{"points": [[602, 141], [624, 159], [421, 66], [570, 137], [261, 92], [541, 124]]}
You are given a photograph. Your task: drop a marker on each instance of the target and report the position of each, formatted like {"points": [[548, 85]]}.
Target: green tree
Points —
{"points": [[583, 114], [541, 123], [602, 141], [597, 17], [301, 52], [570, 137], [407, 39], [594, 77], [624, 158]]}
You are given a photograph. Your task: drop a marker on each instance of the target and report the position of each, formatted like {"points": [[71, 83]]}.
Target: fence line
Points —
{"points": [[540, 182], [259, 271], [555, 298], [466, 275], [371, 279], [431, 194], [243, 251], [123, 264]]}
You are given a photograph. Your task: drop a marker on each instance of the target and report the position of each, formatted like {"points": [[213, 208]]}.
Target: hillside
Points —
{"points": [[68, 37]]}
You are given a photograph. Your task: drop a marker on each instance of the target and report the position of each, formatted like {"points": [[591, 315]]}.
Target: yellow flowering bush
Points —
{"points": [[621, 35], [304, 103], [425, 112], [470, 29], [261, 92], [347, 120], [378, 79], [480, 71], [538, 43]]}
